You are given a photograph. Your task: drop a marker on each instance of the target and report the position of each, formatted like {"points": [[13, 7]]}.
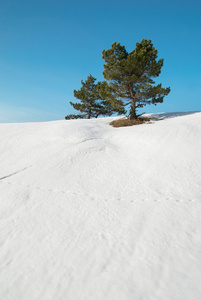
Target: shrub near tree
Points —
{"points": [[91, 103], [129, 76]]}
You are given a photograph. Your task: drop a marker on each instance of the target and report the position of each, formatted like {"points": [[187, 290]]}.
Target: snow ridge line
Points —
{"points": [[95, 196], [17, 172]]}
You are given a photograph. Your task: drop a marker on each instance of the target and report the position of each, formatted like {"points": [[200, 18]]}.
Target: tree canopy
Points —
{"points": [[128, 82], [129, 76], [91, 103]]}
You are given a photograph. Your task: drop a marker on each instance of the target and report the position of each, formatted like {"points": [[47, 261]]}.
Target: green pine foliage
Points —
{"points": [[74, 117], [129, 77], [92, 104]]}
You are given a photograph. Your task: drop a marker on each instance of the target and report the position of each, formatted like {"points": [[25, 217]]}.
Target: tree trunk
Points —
{"points": [[133, 115]]}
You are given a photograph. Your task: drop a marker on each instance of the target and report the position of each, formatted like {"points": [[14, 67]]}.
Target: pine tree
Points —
{"points": [[91, 103], [129, 76]]}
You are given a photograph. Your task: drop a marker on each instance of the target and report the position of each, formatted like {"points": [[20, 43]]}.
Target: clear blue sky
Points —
{"points": [[48, 46]]}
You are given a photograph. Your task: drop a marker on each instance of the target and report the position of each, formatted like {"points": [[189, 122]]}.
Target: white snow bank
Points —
{"points": [[88, 211]]}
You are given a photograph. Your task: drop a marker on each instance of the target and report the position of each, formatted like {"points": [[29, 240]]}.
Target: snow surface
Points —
{"points": [[88, 211]]}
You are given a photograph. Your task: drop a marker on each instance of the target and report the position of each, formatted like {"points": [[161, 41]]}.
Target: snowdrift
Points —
{"points": [[88, 211]]}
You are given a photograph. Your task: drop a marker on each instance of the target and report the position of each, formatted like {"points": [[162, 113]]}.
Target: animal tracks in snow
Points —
{"points": [[68, 192]]}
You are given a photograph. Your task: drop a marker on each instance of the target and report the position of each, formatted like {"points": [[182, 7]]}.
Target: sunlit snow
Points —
{"points": [[88, 211]]}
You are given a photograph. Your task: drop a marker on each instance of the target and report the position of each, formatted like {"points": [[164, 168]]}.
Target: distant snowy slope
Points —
{"points": [[88, 211]]}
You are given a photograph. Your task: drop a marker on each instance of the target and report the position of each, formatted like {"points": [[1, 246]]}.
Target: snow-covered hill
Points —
{"points": [[88, 211]]}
